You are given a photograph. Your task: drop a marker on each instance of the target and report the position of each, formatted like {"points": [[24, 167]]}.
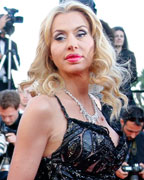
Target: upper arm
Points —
{"points": [[32, 137]]}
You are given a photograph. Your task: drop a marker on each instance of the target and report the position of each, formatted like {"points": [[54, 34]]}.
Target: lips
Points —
{"points": [[73, 57]]}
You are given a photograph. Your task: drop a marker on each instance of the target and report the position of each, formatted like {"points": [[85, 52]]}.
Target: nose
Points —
{"points": [[133, 135], [25, 94], [72, 43], [6, 120]]}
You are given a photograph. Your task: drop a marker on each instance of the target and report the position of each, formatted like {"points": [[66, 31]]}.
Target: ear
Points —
{"points": [[122, 122], [19, 107]]}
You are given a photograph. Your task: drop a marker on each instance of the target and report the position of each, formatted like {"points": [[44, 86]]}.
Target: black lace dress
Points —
{"points": [[87, 153]]}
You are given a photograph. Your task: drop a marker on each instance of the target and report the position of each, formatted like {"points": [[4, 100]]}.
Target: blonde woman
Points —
{"points": [[63, 134]]}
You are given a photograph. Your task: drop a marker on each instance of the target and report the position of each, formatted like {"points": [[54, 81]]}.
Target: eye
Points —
{"points": [[81, 33], [59, 37]]}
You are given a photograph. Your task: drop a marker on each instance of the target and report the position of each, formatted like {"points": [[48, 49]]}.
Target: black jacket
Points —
{"points": [[138, 155], [6, 129], [127, 58], [135, 153]]}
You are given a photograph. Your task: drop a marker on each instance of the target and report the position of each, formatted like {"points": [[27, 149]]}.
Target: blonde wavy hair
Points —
{"points": [[104, 71]]}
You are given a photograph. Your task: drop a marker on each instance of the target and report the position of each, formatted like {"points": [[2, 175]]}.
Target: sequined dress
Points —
{"points": [[87, 153]]}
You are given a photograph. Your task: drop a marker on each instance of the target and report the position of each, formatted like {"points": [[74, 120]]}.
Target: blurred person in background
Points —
{"points": [[5, 52], [3, 20], [10, 118], [132, 122], [127, 59], [25, 96]]}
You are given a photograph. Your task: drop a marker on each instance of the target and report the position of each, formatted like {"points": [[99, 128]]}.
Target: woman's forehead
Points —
{"points": [[72, 18]]}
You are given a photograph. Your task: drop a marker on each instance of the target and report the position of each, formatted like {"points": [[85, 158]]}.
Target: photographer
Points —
{"points": [[4, 50], [3, 20], [132, 122], [10, 117]]}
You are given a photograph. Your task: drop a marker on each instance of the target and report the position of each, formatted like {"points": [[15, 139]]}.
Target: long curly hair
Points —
{"points": [[104, 71]]}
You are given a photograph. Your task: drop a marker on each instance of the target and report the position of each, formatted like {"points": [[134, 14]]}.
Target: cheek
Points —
{"points": [[115, 39], [55, 58], [125, 131], [90, 48], [128, 134], [55, 51]]}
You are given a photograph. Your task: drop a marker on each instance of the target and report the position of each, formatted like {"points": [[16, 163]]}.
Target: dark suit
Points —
{"points": [[10, 148], [4, 85]]}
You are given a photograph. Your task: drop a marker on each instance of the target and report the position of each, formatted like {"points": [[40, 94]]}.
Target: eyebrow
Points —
{"points": [[61, 30]]}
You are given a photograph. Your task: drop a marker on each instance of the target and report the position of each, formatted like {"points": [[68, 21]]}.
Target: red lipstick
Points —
{"points": [[73, 57]]}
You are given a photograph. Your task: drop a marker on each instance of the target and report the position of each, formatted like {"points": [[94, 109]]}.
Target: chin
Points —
{"points": [[130, 139]]}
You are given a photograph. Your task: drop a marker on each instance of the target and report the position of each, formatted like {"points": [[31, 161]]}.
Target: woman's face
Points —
{"points": [[72, 46], [118, 38]]}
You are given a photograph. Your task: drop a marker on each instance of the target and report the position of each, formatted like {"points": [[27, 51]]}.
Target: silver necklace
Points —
{"points": [[90, 118]]}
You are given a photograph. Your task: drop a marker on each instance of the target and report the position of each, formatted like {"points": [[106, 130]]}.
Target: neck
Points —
{"points": [[22, 106], [80, 79], [80, 91], [118, 49]]}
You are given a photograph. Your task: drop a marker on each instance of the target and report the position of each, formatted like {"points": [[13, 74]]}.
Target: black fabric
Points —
{"points": [[10, 148], [139, 157], [14, 128], [106, 111], [87, 153], [127, 58], [3, 175]]}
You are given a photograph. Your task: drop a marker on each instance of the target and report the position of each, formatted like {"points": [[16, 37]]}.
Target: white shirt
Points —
{"points": [[2, 48]]}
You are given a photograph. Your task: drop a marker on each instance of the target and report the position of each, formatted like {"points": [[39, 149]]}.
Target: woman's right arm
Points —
{"points": [[32, 137]]}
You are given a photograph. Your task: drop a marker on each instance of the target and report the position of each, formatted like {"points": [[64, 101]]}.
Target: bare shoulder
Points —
{"points": [[41, 104], [41, 99], [39, 111]]}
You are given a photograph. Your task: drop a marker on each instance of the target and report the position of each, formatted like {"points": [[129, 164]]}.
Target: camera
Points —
{"points": [[134, 170], [4, 159], [3, 144], [9, 28]]}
